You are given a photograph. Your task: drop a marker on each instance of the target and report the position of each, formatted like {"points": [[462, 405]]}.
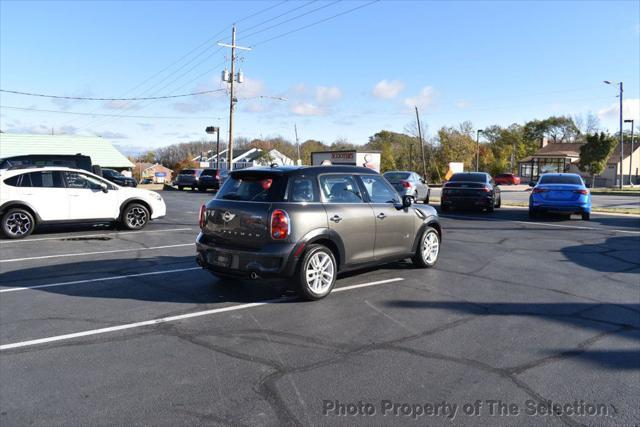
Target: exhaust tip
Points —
{"points": [[254, 275]]}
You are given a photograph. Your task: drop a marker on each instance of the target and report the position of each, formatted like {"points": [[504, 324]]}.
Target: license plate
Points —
{"points": [[222, 260]]}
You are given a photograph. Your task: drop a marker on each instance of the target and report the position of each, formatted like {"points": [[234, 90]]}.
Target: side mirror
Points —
{"points": [[406, 201], [104, 187], [532, 183]]}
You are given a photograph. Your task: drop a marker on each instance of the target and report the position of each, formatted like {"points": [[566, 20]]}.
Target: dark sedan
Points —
{"points": [[209, 179], [117, 178], [470, 190]]}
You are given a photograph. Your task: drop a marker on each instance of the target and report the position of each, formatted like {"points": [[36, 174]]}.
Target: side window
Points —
{"points": [[378, 189], [46, 179], [301, 190], [15, 181], [340, 189], [76, 180]]}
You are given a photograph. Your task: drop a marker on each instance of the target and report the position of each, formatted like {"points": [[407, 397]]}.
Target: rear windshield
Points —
{"points": [[253, 188], [396, 176], [188, 172], [468, 177], [504, 175], [560, 179], [209, 172]]}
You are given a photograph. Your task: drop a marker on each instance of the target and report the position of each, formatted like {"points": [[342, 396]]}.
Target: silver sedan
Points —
{"points": [[409, 183]]}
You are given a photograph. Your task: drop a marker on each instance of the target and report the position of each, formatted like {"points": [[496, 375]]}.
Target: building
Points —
{"points": [[101, 151], [244, 158], [155, 172], [565, 157]]}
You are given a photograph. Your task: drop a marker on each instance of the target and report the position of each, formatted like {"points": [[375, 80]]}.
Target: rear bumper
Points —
{"points": [[577, 206], [209, 184], [483, 201], [273, 260]]}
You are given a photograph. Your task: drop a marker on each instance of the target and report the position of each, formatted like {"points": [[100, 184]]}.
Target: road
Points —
{"points": [[100, 327], [520, 194]]}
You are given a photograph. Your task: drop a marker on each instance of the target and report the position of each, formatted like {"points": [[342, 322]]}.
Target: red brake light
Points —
{"points": [[540, 190], [582, 191], [202, 217], [486, 189], [406, 184], [280, 226], [266, 183], [218, 174]]}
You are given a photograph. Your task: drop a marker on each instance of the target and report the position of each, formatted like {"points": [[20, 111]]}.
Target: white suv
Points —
{"points": [[42, 195]]}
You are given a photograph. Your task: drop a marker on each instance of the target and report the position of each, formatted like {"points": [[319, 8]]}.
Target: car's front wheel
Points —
{"points": [[428, 249], [135, 216], [17, 223], [317, 273]]}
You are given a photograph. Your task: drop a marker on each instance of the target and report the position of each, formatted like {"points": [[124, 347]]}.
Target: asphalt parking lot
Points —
{"points": [[103, 327]]}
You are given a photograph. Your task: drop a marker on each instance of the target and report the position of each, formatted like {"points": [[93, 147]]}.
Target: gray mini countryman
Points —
{"points": [[310, 223]]}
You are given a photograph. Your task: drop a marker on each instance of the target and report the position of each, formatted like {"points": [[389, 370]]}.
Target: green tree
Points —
{"points": [[458, 145], [387, 162], [595, 153]]}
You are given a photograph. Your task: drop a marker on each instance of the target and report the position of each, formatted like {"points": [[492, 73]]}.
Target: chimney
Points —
{"points": [[545, 142]]}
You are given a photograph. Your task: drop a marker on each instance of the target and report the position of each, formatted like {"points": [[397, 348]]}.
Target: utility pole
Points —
{"points": [[295, 128], [216, 130], [621, 136], [232, 101], [424, 165], [478, 149], [631, 152]]}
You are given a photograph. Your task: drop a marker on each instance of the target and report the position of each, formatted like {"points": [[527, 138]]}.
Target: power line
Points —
{"points": [[280, 16], [80, 98], [78, 113], [315, 23]]}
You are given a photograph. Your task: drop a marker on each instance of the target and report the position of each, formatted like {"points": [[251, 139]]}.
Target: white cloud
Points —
{"points": [[190, 107], [120, 105], [250, 88], [146, 126], [254, 107], [326, 94], [422, 99], [630, 110], [462, 104], [307, 109], [386, 89]]}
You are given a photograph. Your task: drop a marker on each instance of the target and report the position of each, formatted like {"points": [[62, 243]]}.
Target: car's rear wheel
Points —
{"points": [[180, 187], [586, 216], [426, 200], [428, 249], [533, 213], [317, 273], [17, 223], [135, 216], [499, 202]]}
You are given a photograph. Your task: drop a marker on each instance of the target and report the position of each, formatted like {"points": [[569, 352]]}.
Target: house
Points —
{"points": [[565, 157], [156, 172], [244, 158], [101, 151]]}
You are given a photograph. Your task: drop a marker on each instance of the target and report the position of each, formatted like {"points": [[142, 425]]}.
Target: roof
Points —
{"points": [[101, 151], [563, 149], [19, 170], [311, 170], [615, 156]]}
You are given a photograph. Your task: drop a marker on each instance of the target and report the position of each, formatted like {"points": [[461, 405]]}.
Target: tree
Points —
{"points": [[595, 153], [557, 129], [458, 145], [387, 162]]}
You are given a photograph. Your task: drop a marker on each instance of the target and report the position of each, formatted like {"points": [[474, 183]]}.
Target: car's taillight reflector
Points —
{"points": [[202, 216], [486, 189], [581, 191], [406, 184], [279, 225], [540, 190], [218, 174]]}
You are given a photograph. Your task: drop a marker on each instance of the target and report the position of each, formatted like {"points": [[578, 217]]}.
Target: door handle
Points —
{"points": [[381, 215], [336, 218]]}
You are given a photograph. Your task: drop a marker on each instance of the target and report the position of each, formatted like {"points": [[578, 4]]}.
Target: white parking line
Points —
{"points": [[66, 237], [99, 279], [174, 318], [95, 253]]}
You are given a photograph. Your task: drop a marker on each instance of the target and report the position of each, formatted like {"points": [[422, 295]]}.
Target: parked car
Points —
{"points": [[188, 178], [560, 192], [409, 183], [146, 181], [32, 197], [507, 179], [470, 189], [117, 178], [311, 222], [209, 178]]}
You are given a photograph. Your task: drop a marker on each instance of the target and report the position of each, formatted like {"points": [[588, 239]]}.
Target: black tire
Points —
{"points": [[180, 187], [499, 202], [135, 216], [426, 200], [415, 198], [305, 289], [533, 213], [425, 257], [444, 208], [586, 216], [491, 208], [17, 223]]}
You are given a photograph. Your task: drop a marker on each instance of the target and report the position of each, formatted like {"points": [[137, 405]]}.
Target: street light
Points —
{"points": [[211, 130], [631, 153], [478, 149], [621, 137]]}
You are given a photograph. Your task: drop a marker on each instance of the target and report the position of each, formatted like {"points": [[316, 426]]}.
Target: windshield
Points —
{"points": [[209, 172], [188, 172], [396, 176], [560, 179], [253, 188], [469, 177]]}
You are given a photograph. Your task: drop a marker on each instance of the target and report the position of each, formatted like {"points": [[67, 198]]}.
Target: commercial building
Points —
{"points": [[101, 151], [156, 172]]}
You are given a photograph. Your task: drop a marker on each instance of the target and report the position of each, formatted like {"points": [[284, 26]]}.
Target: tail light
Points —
{"points": [[486, 189], [540, 190], [406, 184], [202, 216], [581, 191], [280, 225], [218, 174]]}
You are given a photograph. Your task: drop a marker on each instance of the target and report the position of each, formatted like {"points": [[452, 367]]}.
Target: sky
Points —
{"points": [[348, 77]]}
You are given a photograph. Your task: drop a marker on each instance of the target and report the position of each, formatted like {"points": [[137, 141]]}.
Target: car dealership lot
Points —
{"points": [[516, 311]]}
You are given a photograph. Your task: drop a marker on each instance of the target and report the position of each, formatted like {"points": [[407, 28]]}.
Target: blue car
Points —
{"points": [[562, 193]]}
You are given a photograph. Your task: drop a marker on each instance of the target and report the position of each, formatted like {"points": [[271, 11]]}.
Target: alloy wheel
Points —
{"points": [[136, 217], [18, 224], [430, 247], [319, 272]]}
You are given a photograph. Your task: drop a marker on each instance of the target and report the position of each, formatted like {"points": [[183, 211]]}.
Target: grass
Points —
{"points": [[631, 191], [595, 209]]}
